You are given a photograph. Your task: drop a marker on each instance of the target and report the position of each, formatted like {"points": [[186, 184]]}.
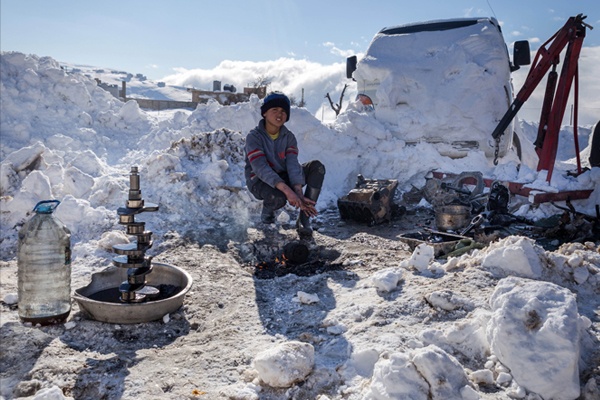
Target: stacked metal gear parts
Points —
{"points": [[133, 255]]}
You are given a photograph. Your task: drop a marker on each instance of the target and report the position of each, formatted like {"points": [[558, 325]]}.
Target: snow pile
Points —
{"points": [[529, 316], [533, 331], [387, 279], [521, 255], [285, 364], [420, 258], [446, 300], [399, 376], [68, 112]]}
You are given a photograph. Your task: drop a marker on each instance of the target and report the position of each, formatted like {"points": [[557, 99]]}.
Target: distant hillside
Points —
{"points": [[137, 85]]}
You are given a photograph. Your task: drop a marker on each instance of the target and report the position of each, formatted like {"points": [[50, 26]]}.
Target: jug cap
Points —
{"points": [[46, 206]]}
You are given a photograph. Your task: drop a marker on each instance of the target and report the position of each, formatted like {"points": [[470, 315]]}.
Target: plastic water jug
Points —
{"points": [[44, 267]]}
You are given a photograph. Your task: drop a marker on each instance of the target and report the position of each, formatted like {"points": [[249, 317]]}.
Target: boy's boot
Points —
{"points": [[267, 216], [303, 225]]}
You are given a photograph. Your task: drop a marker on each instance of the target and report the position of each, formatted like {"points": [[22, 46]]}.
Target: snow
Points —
{"points": [[307, 298], [516, 255], [387, 279], [513, 316], [285, 364], [416, 72], [529, 316]]}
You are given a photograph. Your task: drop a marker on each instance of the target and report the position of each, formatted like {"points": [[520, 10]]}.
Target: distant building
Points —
{"points": [[228, 95], [260, 91], [225, 97], [112, 89]]}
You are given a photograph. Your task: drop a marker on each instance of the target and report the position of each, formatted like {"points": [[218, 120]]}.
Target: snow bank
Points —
{"points": [[535, 332]]}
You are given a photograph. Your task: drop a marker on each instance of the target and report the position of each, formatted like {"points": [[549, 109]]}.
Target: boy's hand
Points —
{"points": [[308, 207], [296, 199]]}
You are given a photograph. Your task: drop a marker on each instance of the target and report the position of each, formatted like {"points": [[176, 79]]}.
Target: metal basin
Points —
{"points": [[117, 312], [442, 242], [452, 217]]}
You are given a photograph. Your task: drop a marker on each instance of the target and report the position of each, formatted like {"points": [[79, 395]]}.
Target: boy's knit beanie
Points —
{"points": [[276, 99]]}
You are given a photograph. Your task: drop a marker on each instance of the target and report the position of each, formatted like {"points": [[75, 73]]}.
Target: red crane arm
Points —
{"points": [[557, 90]]}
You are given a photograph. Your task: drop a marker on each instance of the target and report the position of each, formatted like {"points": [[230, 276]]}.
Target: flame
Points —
{"points": [[279, 261], [261, 265]]}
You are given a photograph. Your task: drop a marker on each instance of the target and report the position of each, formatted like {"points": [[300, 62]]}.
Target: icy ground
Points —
{"points": [[367, 317], [378, 321]]}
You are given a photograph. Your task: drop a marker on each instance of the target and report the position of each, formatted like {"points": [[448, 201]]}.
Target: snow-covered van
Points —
{"points": [[445, 82]]}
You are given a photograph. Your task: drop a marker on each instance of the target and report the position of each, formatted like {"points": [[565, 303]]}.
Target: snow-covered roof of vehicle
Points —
{"points": [[443, 79], [435, 25]]}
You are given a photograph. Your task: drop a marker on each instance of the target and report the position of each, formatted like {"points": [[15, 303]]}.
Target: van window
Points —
{"points": [[428, 27]]}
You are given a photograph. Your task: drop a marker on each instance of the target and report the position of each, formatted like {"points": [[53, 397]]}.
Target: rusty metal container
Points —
{"points": [[370, 201], [442, 242], [452, 217]]}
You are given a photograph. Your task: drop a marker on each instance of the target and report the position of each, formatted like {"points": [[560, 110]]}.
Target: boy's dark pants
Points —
{"points": [[274, 199]]}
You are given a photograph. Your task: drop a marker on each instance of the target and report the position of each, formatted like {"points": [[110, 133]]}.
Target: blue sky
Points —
{"points": [[154, 37]]}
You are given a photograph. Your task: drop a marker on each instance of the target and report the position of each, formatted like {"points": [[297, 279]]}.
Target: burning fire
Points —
{"points": [[278, 262]]}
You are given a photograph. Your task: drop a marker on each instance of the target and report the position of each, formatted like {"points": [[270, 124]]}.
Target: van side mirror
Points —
{"points": [[351, 66], [521, 55]]}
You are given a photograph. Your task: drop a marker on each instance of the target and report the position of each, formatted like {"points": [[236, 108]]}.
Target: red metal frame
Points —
{"points": [[555, 102], [536, 196], [557, 91]]}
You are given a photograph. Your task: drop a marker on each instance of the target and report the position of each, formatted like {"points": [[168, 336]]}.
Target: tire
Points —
{"points": [[595, 150]]}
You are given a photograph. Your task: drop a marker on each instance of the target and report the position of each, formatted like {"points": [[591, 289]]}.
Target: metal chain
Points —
{"points": [[496, 150]]}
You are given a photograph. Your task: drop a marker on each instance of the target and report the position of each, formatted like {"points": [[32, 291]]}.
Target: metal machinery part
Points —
{"points": [[498, 198], [133, 255], [370, 201], [454, 190], [99, 300], [452, 217]]}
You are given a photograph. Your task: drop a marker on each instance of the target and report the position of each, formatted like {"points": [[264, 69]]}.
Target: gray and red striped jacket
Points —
{"points": [[266, 158]]}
